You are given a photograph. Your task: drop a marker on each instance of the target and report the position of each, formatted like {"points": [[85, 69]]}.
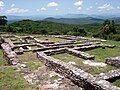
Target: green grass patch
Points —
{"points": [[98, 70], [2, 60], [101, 54], [117, 83], [12, 80], [68, 58], [31, 60], [93, 70]]}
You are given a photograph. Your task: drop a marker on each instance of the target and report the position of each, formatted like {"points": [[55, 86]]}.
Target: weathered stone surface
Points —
{"points": [[80, 54], [109, 75], [78, 76], [55, 51], [114, 61], [85, 48], [10, 55]]}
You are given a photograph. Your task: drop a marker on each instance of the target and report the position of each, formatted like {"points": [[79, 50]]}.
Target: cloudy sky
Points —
{"points": [[58, 7]]}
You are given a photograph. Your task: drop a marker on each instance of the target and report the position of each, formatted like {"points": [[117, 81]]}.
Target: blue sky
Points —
{"points": [[59, 7]]}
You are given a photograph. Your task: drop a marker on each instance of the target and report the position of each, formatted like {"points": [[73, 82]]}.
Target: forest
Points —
{"points": [[108, 30]]}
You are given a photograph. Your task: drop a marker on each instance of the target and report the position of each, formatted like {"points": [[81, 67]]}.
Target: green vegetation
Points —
{"points": [[93, 70], [2, 61], [101, 54], [3, 20], [44, 27], [68, 58], [117, 83], [31, 60], [11, 79], [108, 30]]}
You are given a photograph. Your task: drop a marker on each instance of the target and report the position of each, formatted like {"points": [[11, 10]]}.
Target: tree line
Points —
{"points": [[107, 30]]}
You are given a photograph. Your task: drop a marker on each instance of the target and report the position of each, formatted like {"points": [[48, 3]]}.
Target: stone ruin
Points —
{"points": [[114, 61], [78, 76]]}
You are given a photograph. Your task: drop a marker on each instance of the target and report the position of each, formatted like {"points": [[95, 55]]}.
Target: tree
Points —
{"points": [[3, 20]]}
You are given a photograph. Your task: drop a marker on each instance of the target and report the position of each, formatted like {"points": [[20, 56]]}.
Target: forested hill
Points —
{"points": [[45, 27], [78, 21]]}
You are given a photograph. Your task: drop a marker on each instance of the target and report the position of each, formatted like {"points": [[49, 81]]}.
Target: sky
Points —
{"points": [[59, 7]]}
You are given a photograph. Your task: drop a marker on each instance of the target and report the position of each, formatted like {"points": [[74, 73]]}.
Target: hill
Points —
{"points": [[44, 27], [78, 21]]}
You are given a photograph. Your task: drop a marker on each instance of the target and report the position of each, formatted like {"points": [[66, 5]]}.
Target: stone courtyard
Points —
{"points": [[61, 62]]}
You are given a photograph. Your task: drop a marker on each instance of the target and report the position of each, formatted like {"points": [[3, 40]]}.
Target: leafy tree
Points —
{"points": [[3, 20]]}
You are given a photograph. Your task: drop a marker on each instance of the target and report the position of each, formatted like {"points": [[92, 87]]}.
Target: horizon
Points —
{"points": [[55, 7]]}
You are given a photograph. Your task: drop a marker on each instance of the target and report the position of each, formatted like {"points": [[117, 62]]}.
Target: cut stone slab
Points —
{"points": [[95, 64], [114, 61]]}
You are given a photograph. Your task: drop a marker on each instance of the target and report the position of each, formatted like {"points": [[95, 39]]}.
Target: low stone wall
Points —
{"points": [[111, 75], [77, 76], [55, 51], [86, 48], [9, 55], [59, 44], [80, 54], [114, 61], [70, 51], [23, 45]]}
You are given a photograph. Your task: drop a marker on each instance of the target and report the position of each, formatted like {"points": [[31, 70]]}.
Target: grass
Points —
{"points": [[117, 83], [2, 60], [68, 58], [10, 79], [31, 60], [101, 54], [93, 70]]}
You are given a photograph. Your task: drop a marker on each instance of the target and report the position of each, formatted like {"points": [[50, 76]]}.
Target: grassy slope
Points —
{"points": [[11, 79], [31, 60]]}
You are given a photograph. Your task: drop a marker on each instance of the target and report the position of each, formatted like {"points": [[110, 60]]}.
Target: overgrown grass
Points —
{"points": [[117, 83], [101, 54], [93, 70], [10, 79], [2, 60], [68, 58], [31, 60]]}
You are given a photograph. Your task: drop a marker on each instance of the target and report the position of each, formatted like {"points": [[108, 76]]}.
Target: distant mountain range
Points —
{"points": [[68, 18], [86, 20]]}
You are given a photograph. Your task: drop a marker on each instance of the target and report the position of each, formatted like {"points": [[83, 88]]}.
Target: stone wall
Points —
{"points": [[114, 61], [70, 51], [78, 76], [86, 48], [110, 76]]}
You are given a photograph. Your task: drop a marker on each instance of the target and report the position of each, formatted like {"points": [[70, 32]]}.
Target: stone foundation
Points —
{"points": [[114, 61], [78, 76]]}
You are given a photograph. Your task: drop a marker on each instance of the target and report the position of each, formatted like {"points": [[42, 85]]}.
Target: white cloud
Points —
{"points": [[91, 7], [79, 8], [105, 7], [96, 3], [17, 10], [42, 9], [56, 9], [118, 7], [78, 3], [52, 4], [12, 5], [2, 4]]}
